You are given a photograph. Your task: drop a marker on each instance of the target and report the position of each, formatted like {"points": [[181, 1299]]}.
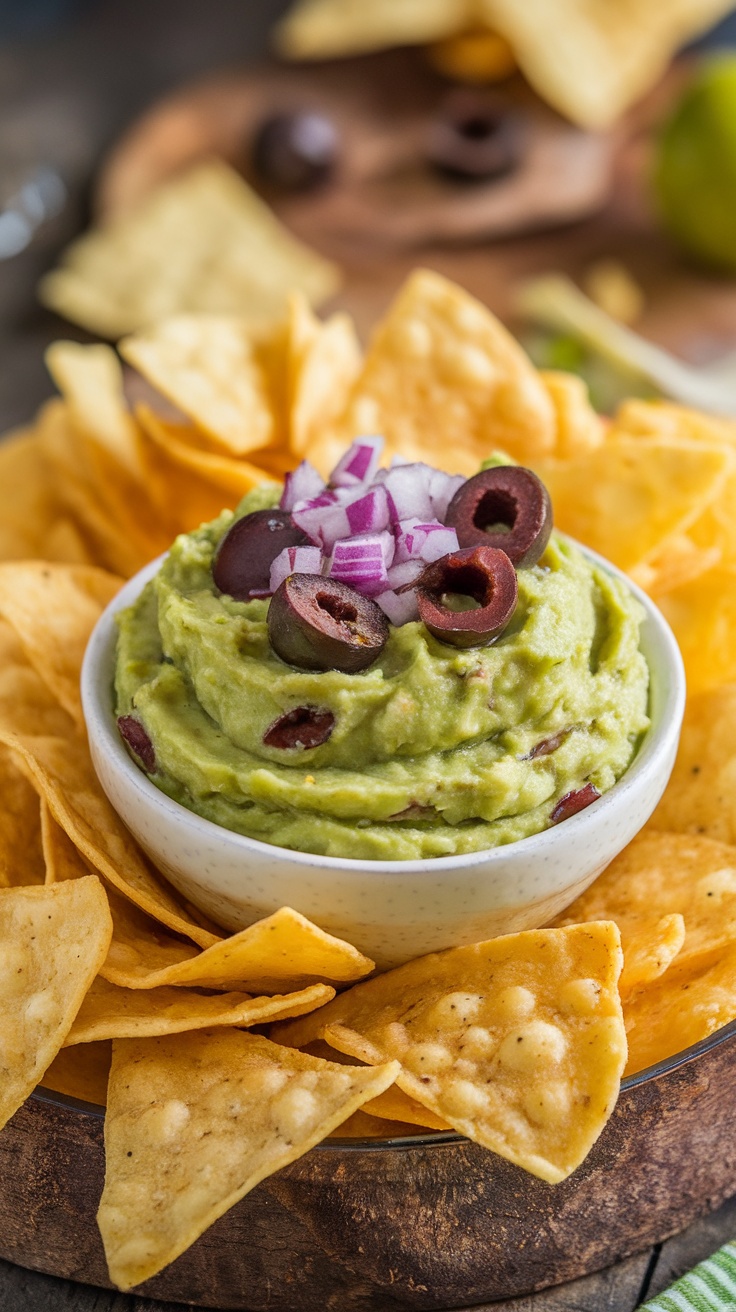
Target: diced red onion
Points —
{"points": [[407, 487], [401, 608], [406, 574], [322, 519], [428, 542], [359, 463], [442, 488], [369, 514], [361, 563], [301, 484], [295, 560]]}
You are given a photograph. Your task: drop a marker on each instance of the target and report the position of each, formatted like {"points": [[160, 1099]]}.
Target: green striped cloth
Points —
{"points": [[709, 1287]]}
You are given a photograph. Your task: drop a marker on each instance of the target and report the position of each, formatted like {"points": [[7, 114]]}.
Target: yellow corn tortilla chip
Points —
{"points": [[202, 241], [29, 505], [700, 797], [626, 497], [210, 368], [444, 382], [578, 426], [362, 1125], [198, 479], [194, 1121], [52, 942], [53, 609], [691, 1001], [518, 1043], [55, 757], [316, 29], [110, 1012], [322, 364], [21, 852], [702, 614], [91, 381], [81, 1072], [658, 876], [285, 951], [392, 1105]]}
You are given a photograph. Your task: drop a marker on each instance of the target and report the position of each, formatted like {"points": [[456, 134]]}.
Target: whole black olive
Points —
{"points": [[483, 573], [295, 151], [475, 138], [506, 507], [242, 564], [318, 623]]}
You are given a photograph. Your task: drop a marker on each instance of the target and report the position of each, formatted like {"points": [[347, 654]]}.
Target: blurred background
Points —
{"points": [[462, 151]]}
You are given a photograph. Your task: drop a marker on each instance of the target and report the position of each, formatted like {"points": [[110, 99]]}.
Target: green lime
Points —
{"points": [[695, 169]]}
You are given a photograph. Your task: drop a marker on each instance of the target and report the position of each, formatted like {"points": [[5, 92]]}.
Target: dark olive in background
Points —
{"points": [[242, 564], [318, 623], [296, 151], [475, 138], [506, 507]]}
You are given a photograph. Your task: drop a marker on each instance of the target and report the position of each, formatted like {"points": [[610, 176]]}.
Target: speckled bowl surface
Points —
{"points": [[391, 910]]}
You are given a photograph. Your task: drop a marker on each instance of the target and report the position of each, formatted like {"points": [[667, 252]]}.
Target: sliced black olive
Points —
{"points": [[138, 742], [573, 802], [242, 565], [475, 138], [305, 726], [295, 151], [317, 623], [506, 507], [483, 574]]}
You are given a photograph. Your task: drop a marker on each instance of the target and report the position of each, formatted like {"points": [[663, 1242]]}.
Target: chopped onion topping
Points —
{"points": [[302, 484], [359, 463], [361, 562], [401, 607], [295, 560], [428, 542]]}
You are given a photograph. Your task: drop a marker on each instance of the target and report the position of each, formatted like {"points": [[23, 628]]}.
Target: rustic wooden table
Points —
{"points": [[64, 97]]}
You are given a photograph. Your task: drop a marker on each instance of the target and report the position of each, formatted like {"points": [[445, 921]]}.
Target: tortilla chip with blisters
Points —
{"points": [[110, 1012], [323, 360], [194, 1121], [687, 1004], [443, 381], [52, 943], [701, 795], [518, 1043], [391, 1105], [202, 241], [660, 875], [702, 614]]}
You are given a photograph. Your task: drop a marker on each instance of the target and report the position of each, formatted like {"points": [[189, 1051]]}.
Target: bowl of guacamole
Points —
{"points": [[441, 784]]}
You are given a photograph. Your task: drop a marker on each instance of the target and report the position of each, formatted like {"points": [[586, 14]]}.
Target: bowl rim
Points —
{"points": [[100, 721], [436, 1138]]}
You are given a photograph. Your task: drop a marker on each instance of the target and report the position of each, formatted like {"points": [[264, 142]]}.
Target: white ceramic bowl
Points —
{"points": [[391, 910]]}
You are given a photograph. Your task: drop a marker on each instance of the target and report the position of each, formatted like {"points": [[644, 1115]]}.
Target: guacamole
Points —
{"points": [[435, 750]]}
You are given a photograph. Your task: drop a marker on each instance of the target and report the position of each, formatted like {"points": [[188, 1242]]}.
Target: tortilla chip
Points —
{"points": [[317, 29], [52, 942], [628, 496], [81, 1072], [691, 1001], [53, 609], [202, 241], [579, 428], [200, 482], [658, 876], [591, 61], [702, 614], [110, 1012], [210, 368], [518, 1043], [203, 1117], [55, 756], [323, 363], [392, 1105], [91, 381], [284, 952], [445, 383], [21, 854], [361, 1125], [701, 795]]}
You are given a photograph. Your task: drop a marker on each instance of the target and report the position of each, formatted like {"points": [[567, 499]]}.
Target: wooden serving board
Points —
{"points": [[427, 1223]]}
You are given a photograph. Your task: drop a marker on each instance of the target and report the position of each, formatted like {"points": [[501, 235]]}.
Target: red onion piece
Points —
{"points": [[361, 563], [322, 519], [400, 607], [295, 560], [442, 488], [408, 492], [405, 574], [359, 463], [369, 514], [427, 542], [302, 484]]}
